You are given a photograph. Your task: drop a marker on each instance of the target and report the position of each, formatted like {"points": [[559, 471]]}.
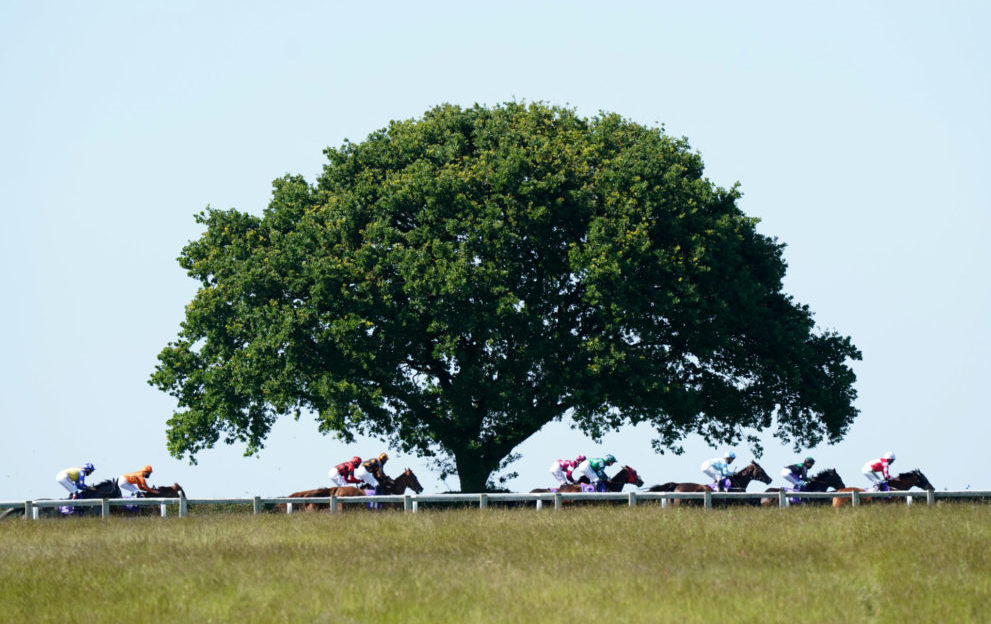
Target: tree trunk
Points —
{"points": [[473, 471]]}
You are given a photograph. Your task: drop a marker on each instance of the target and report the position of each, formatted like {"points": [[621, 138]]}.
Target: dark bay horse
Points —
{"points": [[616, 483], [104, 489], [168, 491], [903, 482], [739, 481], [821, 482]]}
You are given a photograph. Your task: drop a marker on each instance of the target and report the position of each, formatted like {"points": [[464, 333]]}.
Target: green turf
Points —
{"points": [[609, 564]]}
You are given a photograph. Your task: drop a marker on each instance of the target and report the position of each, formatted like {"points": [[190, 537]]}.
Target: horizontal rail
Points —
{"points": [[411, 502]]}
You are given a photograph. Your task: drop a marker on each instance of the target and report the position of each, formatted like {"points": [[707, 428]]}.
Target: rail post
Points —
{"points": [[407, 503], [930, 497], [288, 509], [29, 510], [164, 508], [333, 503], [483, 501], [908, 501], [708, 499], [782, 499], [633, 499], [183, 507], [557, 500], [104, 508], [664, 502], [855, 498], [256, 505]]}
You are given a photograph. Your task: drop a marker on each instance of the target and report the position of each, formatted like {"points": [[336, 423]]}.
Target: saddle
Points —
{"points": [[723, 485]]}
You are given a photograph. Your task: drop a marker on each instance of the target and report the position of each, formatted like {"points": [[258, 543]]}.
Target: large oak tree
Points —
{"points": [[455, 282]]}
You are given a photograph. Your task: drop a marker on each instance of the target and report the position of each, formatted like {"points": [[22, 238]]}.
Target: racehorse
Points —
{"points": [[162, 491], [739, 481], [168, 491], [615, 483], [398, 485], [104, 489], [821, 482], [904, 481]]}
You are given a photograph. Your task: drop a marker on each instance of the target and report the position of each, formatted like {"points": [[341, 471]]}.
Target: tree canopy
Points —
{"points": [[455, 282]]}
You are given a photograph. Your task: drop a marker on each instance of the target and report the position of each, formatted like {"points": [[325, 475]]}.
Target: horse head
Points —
{"points": [[629, 475], [175, 489], [914, 478], [829, 478], [410, 481], [752, 471]]}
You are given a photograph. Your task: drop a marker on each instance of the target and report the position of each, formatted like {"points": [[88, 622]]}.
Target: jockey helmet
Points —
{"points": [[383, 457], [889, 456], [580, 458], [729, 456], [355, 461], [146, 469], [809, 461], [609, 459], [88, 467]]}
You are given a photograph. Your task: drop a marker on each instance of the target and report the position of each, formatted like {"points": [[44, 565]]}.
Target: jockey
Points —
{"points": [[343, 473], [562, 469], [371, 472], [798, 474], [876, 471], [595, 470], [718, 469], [73, 479], [134, 482]]}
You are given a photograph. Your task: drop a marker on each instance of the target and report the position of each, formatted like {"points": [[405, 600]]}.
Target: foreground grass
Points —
{"points": [[880, 563]]}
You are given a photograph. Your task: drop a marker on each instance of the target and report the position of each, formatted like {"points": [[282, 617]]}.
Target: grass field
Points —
{"points": [[884, 563]]}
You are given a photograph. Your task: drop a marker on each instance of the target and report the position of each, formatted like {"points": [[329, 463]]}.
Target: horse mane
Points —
{"points": [[905, 475], [823, 471], [753, 464]]}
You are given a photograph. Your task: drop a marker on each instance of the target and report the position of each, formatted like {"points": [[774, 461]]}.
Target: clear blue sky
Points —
{"points": [[858, 131]]}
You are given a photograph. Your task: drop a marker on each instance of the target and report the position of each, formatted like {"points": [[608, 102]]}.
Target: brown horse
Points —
{"points": [[161, 491], [821, 482], [616, 483], [739, 481], [904, 481], [399, 485]]}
